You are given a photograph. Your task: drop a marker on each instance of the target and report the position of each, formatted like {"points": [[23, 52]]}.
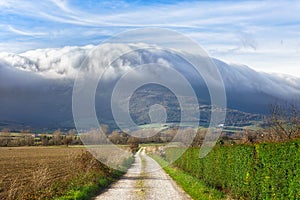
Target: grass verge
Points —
{"points": [[87, 191], [97, 183], [196, 188]]}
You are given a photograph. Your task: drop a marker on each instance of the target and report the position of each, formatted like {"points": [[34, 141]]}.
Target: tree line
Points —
{"points": [[283, 124], [10, 139]]}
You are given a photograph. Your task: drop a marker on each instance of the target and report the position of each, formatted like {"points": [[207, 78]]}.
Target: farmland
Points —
{"points": [[47, 172]]}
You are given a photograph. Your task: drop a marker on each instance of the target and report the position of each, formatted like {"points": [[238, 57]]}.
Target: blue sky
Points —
{"points": [[264, 35]]}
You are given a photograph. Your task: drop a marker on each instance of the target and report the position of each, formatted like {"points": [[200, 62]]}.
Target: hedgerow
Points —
{"points": [[261, 171]]}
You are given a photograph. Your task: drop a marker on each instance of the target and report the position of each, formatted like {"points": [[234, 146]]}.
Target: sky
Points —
{"points": [[265, 35]]}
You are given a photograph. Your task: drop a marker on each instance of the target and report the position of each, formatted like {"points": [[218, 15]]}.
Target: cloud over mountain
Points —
{"points": [[40, 81], [57, 63]]}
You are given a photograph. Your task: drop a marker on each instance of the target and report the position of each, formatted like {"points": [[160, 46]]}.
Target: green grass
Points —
{"points": [[196, 188], [97, 182], [87, 191]]}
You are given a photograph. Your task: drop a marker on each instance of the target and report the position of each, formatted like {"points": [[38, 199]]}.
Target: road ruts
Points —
{"points": [[144, 180]]}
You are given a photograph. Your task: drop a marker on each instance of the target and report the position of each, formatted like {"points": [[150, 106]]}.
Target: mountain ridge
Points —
{"points": [[41, 89]]}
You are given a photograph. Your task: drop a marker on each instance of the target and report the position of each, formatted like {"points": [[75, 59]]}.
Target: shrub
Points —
{"points": [[261, 171]]}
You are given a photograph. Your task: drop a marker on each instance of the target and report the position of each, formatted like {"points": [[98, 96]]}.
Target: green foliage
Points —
{"points": [[97, 181], [87, 191], [79, 190], [196, 188], [262, 171]]}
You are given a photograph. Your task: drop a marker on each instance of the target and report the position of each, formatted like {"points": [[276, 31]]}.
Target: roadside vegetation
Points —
{"points": [[192, 185], [260, 171], [262, 164]]}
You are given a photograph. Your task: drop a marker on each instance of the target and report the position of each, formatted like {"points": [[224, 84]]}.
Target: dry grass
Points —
{"points": [[110, 155], [37, 172], [25, 170]]}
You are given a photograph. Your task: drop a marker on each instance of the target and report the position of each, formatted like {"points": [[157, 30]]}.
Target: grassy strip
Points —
{"points": [[97, 183], [196, 188], [87, 191]]}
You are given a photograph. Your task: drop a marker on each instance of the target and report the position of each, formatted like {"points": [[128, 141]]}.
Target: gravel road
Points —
{"points": [[144, 180]]}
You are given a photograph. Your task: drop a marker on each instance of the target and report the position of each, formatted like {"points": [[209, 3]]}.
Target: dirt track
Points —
{"points": [[144, 180]]}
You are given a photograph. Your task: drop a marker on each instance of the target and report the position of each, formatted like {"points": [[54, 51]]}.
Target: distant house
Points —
{"points": [[220, 126]]}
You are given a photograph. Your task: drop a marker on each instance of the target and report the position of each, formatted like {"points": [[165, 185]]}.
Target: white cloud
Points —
{"points": [[229, 30], [26, 33], [63, 5], [7, 3], [66, 62]]}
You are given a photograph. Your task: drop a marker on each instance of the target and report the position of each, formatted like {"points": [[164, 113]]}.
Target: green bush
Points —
{"points": [[261, 171]]}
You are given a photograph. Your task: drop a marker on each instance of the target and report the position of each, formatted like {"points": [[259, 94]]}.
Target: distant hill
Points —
{"points": [[36, 87]]}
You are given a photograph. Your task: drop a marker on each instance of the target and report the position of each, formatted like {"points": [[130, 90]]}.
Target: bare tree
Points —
{"points": [[117, 138], [57, 138], [104, 129], [134, 143], [284, 122], [70, 137], [5, 140]]}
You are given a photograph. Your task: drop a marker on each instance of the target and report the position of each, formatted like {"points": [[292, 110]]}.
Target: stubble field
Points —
{"points": [[45, 172]]}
